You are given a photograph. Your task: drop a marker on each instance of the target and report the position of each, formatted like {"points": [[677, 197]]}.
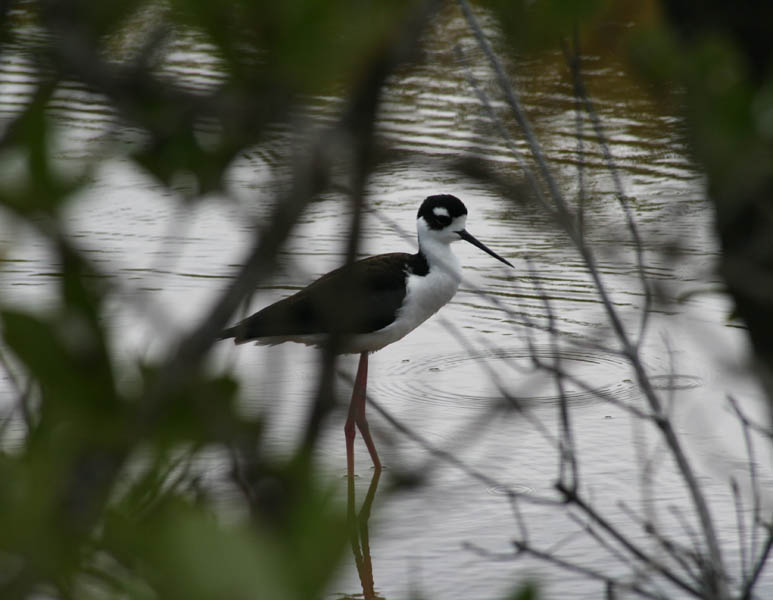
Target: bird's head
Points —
{"points": [[443, 218]]}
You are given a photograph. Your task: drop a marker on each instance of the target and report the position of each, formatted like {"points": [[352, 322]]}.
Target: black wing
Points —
{"points": [[359, 298]]}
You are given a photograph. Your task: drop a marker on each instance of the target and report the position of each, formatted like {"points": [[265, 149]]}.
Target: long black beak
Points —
{"points": [[468, 237]]}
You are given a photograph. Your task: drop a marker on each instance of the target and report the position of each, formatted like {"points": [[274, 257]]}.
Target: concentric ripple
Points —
{"points": [[469, 379], [675, 382], [504, 490]]}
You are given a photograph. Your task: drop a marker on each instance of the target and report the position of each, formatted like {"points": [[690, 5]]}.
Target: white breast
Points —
{"points": [[424, 296]]}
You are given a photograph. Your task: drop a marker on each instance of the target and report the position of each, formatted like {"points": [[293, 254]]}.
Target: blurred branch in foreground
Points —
{"points": [[102, 501]]}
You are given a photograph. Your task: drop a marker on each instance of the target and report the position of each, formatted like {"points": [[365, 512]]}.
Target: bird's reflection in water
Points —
{"points": [[358, 534]]}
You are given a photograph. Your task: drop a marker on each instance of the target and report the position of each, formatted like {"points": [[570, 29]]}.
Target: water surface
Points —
{"points": [[448, 538]]}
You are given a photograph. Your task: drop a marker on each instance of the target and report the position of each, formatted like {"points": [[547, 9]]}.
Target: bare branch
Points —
{"points": [[761, 561], [714, 568], [575, 499], [740, 525], [581, 94], [676, 551], [549, 557]]}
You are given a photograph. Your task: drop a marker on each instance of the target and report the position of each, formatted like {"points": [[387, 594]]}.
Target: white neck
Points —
{"points": [[437, 250]]}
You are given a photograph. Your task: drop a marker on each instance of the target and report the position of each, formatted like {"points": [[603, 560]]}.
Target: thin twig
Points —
{"points": [[598, 393], [752, 462], [741, 527], [573, 60], [763, 430], [519, 518], [750, 579], [566, 446], [581, 93], [714, 569], [761, 561], [602, 542], [676, 551], [525, 548], [575, 499], [502, 129], [688, 529], [457, 462]]}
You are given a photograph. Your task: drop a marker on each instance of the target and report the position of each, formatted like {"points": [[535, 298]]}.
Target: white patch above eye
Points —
{"points": [[440, 211]]}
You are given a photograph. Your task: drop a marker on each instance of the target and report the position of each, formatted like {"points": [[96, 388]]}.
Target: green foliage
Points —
{"points": [[182, 550], [301, 45], [37, 189], [101, 495], [727, 104], [526, 591], [530, 26]]}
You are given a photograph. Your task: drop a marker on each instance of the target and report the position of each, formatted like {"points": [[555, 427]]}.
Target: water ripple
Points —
{"points": [[469, 379]]}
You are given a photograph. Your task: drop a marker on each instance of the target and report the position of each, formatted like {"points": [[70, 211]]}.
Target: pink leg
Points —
{"points": [[357, 417], [362, 422]]}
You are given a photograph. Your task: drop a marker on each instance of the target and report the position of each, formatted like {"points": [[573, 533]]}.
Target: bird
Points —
{"points": [[371, 303]]}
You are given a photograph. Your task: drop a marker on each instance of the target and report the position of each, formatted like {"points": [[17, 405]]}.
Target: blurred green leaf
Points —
{"points": [[721, 96], [68, 360], [204, 410], [526, 591], [182, 155], [185, 552], [300, 45], [93, 19], [655, 52], [106, 497], [530, 26], [37, 189]]}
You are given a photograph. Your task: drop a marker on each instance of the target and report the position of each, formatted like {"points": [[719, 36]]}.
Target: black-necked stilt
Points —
{"points": [[371, 303]]}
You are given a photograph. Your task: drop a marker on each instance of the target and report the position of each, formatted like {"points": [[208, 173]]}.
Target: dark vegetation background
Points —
{"points": [[95, 500]]}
